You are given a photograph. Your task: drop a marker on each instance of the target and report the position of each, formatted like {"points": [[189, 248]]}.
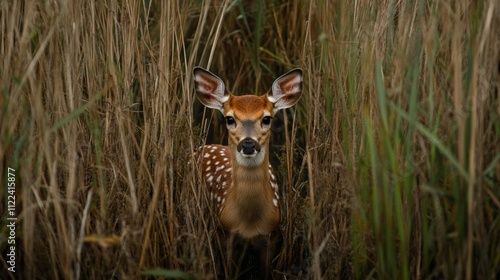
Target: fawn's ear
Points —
{"points": [[286, 90], [210, 89]]}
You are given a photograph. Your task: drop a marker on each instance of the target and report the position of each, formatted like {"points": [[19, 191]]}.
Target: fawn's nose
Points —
{"points": [[248, 146]]}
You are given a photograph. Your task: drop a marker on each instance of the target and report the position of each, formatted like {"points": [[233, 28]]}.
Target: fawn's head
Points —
{"points": [[248, 117]]}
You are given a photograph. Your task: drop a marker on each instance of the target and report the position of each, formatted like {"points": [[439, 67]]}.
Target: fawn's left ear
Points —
{"points": [[286, 90]]}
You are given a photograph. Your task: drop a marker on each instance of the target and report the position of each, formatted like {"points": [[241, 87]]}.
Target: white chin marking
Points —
{"points": [[252, 160], [249, 155]]}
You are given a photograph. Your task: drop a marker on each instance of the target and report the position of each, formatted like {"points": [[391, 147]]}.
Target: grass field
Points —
{"points": [[389, 165]]}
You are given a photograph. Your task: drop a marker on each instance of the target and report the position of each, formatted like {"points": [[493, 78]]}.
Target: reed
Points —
{"points": [[388, 166]]}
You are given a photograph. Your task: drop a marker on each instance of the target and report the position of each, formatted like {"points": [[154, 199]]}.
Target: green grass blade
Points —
{"points": [[382, 98], [167, 273], [434, 140], [75, 113]]}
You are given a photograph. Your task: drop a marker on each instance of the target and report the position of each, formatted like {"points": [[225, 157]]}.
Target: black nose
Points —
{"points": [[248, 143], [248, 146]]}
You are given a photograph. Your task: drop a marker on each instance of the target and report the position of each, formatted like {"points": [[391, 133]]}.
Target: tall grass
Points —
{"points": [[388, 166]]}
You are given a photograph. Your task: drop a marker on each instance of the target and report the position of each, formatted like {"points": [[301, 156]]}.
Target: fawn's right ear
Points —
{"points": [[210, 89]]}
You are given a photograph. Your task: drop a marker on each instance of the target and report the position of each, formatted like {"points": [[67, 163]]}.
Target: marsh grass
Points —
{"points": [[388, 166]]}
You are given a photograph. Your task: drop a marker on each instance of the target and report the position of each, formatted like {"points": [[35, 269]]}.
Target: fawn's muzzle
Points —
{"points": [[248, 146]]}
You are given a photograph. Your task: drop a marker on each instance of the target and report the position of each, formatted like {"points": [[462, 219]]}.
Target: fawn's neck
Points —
{"points": [[249, 209], [252, 187]]}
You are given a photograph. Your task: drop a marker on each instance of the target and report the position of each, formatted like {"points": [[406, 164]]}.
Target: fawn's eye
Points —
{"points": [[230, 121], [266, 120]]}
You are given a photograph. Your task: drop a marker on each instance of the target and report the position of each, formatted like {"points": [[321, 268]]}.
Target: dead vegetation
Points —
{"points": [[388, 166]]}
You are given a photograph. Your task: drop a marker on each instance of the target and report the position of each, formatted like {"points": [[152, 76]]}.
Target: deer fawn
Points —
{"points": [[239, 178]]}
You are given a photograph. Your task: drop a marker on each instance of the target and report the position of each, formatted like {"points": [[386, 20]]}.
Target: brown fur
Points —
{"points": [[248, 106], [249, 210]]}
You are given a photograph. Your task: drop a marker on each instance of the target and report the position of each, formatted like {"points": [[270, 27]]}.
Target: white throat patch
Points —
{"points": [[253, 160]]}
